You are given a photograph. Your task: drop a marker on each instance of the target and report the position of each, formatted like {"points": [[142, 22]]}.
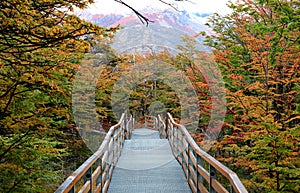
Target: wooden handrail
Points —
{"points": [[192, 158], [161, 127], [129, 127], [149, 121], [96, 172]]}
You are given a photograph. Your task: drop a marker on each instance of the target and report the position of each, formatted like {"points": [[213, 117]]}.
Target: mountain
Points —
{"points": [[166, 30]]}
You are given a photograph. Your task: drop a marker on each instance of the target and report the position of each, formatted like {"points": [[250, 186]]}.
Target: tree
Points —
{"points": [[40, 49], [257, 48]]}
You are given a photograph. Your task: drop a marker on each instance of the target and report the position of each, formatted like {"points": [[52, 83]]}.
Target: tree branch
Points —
{"points": [[141, 17], [169, 4], [144, 19], [13, 144]]}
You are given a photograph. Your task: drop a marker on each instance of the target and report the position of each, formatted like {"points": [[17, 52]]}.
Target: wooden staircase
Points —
{"points": [[164, 159]]}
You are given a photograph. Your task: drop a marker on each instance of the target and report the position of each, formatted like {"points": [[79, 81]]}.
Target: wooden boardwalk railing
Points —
{"points": [[94, 175], [203, 172]]}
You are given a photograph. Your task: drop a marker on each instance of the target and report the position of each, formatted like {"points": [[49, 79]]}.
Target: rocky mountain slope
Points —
{"points": [[166, 30]]}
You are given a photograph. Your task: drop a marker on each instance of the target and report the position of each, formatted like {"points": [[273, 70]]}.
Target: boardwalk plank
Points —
{"points": [[147, 165]]}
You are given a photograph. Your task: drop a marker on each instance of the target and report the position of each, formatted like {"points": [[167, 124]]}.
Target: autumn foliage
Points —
{"points": [[257, 48], [40, 48]]}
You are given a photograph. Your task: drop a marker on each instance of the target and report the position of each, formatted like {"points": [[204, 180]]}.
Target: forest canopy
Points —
{"points": [[40, 50], [257, 49]]}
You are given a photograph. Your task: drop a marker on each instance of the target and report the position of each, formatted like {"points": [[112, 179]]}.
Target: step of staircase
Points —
{"points": [[147, 165], [144, 133]]}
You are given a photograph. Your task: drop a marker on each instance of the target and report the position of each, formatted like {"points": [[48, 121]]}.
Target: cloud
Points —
{"points": [[195, 6]]}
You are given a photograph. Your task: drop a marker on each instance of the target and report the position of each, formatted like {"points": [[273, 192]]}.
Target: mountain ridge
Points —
{"points": [[192, 22], [167, 28]]}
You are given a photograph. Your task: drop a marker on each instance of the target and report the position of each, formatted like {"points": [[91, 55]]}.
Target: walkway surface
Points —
{"points": [[147, 165]]}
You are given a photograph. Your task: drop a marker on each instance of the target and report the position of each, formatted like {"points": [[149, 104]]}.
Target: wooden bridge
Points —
{"points": [[164, 158]]}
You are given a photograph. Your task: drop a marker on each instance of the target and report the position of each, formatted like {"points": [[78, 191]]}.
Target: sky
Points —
{"points": [[195, 6]]}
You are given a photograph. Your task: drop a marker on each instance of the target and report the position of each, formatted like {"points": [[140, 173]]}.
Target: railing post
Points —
{"points": [[113, 148], [87, 177], [72, 190], [159, 127], [171, 133], [125, 133], [199, 176], [212, 175], [194, 168], [177, 142], [99, 178], [181, 154], [119, 139], [107, 162], [188, 163], [167, 125], [232, 189], [133, 125]]}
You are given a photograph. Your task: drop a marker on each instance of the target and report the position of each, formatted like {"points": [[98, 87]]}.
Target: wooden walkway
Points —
{"points": [[142, 161], [147, 164]]}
